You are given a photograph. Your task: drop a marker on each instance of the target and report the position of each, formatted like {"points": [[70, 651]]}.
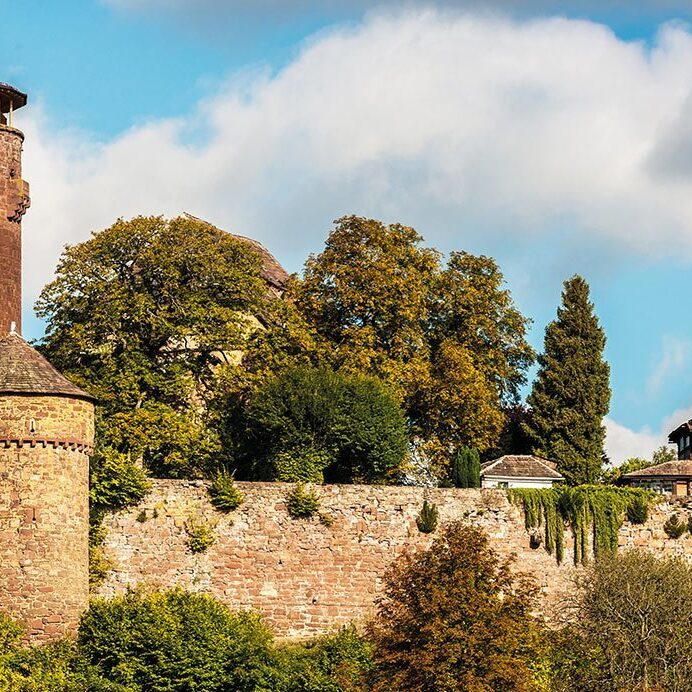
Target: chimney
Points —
{"points": [[14, 201]]}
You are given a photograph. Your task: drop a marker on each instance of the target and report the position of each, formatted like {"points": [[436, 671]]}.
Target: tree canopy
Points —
{"points": [[571, 393], [345, 428], [454, 617], [367, 294], [139, 315], [449, 340], [170, 324]]}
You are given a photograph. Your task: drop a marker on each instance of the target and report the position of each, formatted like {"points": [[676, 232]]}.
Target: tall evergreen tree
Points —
{"points": [[466, 470], [571, 394]]}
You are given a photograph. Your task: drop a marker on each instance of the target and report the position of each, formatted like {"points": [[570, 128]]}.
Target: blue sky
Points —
{"points": [[552, 136]]}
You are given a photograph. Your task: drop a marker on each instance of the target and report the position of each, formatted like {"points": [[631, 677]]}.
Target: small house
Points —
{"points": [[672, 477], [519, 471]]}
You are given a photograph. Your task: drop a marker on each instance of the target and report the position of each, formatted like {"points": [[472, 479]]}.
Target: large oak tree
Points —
{"points": [[139, 315]]}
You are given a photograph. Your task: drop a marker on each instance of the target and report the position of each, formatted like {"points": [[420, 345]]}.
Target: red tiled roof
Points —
{"points": [[23, 370], [521, 466], [668, 469]]}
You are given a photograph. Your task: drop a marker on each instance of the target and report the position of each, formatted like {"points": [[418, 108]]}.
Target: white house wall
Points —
{"points": [[514, 482]]}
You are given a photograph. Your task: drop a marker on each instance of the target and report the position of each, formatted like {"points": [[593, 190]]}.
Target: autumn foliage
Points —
{"points": [[454, 617]]}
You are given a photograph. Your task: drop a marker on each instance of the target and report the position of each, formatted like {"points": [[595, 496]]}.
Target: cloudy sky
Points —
{"points": [[556, 137]]}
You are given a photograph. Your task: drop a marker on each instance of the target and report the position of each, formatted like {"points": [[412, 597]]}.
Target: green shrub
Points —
{"points": [[674, 528], [305, 465], [223, 493], [638, 510], [53, 667], [99, 565], [10, 633], [427, 518], [302, 503], [176, 642], [200, 535], [116, 481], [336, 662], [326, 519]]}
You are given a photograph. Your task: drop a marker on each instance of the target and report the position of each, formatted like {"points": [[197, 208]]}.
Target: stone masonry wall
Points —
{"points": [[44, 511], [44, 534], [303, 576], [307, 578], [13, 203], [54, 419]]}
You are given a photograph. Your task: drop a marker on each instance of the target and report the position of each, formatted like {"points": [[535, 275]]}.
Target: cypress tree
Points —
{"points": [[571, 393], [474, 469], [467, 468]]}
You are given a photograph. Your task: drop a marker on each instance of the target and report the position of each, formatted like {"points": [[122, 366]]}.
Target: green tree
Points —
{"points": [[472, 307], [454, 617], [513, 438], [350, 425], [571, 393], [631, 620], [458, 405], [176, 641], [467, 468], [367, 294], [140, 315], [336, 662], [53, 667]]}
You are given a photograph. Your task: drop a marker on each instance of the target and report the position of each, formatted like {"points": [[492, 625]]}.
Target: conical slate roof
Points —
{"points": [[23, 370]]}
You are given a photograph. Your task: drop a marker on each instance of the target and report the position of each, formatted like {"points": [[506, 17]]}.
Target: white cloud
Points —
{"points": [[465, 127], [622, 442], [675, 355]]}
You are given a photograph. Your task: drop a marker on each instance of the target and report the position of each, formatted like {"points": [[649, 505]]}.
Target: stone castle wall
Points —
{"points": [[307, 578], [44, 538], [42, 419], [44, 512], [303, 576]]}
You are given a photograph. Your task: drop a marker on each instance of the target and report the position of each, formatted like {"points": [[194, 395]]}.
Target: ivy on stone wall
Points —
{"points": [[595, 514]]}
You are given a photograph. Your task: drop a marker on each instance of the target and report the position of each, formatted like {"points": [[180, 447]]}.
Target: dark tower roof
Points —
{"points": [[8, 94], [23, 370]]}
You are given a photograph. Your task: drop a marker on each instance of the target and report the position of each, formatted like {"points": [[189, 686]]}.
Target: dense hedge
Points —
{"points": [[177, 641]]}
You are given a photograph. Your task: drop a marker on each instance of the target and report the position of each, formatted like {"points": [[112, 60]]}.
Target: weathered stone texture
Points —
{"points": [[44, 512], [47, 420], [304, 577], [14, 199]]}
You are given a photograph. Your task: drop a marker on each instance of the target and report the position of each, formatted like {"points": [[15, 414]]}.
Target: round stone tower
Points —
{"points": [[14, 201], [46, 435]]}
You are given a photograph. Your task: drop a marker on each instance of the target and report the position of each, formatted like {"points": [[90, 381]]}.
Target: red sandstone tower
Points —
{"points": [[46, 435], [14, 201]]}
